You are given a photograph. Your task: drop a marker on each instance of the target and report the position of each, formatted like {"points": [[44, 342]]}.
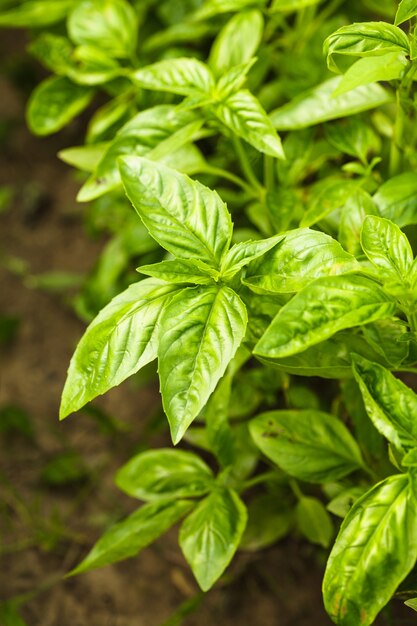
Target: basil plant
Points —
{"points": [[268, 150]]}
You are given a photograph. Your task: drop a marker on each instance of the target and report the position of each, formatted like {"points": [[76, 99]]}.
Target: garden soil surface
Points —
{"points": [[45, 529]]}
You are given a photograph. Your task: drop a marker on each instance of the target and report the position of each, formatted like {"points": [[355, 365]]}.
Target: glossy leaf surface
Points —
{"points": [[130, 536], [352, 215], [120, 341], [321, 309], [238, 41], [108, 24], [327, 196], [390, 404], [374, 551], [406, 10], [185, 217], [200, 333], [210, 535], [183, 76], [364, 39], [141, 135], [244, 115], [387, 339], [85, 157], [328, 359], [243, 253], [179, 271], [386, 247], [320, 105], [303, 256], [165, 473], [54, 103], [310, 445], [389, 66]]}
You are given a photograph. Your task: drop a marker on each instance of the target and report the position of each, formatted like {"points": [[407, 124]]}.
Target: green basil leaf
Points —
{"points": [[319, 105], [183, 76], [210, 535], [413, 602], [179, 271], [54, 103], [352, 215], [390, 403], [389, 66], [314, 521], [282, 205], [243, 114], [341, 504], [166, 148], [200, 333], [217, 7], [101, 360], [287, 6], [406, 10], [187, 159], [396, 199], [328, 195], [232, 80], [320, 310], [386, 247], [374, 551], [353, 136], [185, 217], [53, 51], [303, 256], [141, 135], [364, 39], [412, 276], [244, 252], [310, 445], [165, 473], [36, 13], [108, 24], [109, 119], [387, 339], [410, 459], [128, 537], [221, 439], [92, 66], [365, 433], [85, 157], [179, 33], [268, 522], [237, 41], [328, 359]]}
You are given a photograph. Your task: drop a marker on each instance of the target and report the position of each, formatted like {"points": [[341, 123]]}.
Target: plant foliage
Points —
{"points": [[270, 199]]}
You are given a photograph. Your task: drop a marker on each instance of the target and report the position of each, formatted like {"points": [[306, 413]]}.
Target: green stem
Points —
{"points": [[412, 317], [397, 140], [246, 166], [221, 173], [268, 172], [403, 91], [258, 480], [296, 489]]}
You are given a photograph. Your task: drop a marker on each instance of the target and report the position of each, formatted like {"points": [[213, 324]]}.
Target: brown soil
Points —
{"points": [[45, 530]]}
